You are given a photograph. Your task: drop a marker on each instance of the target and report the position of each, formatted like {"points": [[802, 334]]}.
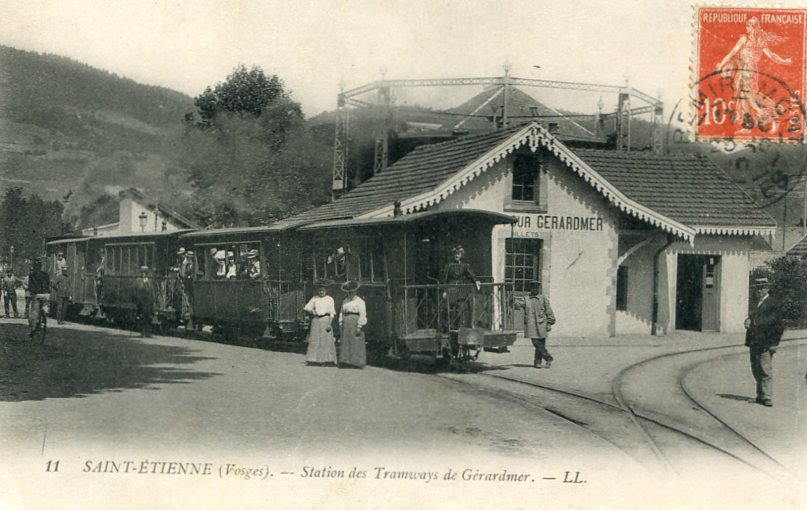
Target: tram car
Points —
{"points": [[248, 281], [399, 263], [102, 272]]}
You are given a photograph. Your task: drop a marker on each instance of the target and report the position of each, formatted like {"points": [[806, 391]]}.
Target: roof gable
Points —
{"points": [[669, 192]]}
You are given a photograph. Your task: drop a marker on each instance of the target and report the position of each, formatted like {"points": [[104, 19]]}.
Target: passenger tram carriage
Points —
{"points": [[254, 281]]}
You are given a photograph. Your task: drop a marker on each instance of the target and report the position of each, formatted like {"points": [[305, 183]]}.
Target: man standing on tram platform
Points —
{"points": [[764, 329]]}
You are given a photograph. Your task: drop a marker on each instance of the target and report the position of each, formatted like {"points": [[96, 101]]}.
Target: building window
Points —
{"points": [[522, 262], [622, 288], [526, 168]]}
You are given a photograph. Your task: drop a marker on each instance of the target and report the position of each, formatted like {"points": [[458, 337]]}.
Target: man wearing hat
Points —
{"points": [[187, 274], [9, 286], [538, 321], [61, 263], [38, 283], [254, 270], [60, 288], [764, 329], [144, 301]]}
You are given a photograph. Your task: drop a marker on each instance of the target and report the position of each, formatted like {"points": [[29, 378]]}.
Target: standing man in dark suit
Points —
{"points": [[60, 289], [145, 301], [538, 321], [764, 328]]}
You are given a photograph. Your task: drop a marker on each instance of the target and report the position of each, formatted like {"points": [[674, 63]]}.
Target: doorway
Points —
{"points": [[522, 265], [697, 293]]}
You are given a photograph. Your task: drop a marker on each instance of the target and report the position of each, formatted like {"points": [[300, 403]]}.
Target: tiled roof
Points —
{"points": [[683, 195], [800, 248], [520, 105], [689, 189], [417, 172]]}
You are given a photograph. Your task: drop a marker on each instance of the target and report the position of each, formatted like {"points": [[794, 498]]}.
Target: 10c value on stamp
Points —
{"points": [[749, 74]]}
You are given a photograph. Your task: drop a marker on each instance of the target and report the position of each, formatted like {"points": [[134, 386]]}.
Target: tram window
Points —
{"points": [[118, 260]]}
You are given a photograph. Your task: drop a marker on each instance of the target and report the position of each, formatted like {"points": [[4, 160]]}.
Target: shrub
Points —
{"points": [[788, 277]]}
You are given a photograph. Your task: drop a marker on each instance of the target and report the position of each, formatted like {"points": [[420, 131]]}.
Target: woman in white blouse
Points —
{"points": [[321, 344], [352, 319]]}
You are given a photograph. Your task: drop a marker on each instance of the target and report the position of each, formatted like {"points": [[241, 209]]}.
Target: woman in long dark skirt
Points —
{"points": [[352, 319], [321, 343]]}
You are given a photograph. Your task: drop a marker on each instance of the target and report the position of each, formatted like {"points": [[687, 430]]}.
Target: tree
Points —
{"points": [[252, 160], [248, 92], [26, 223]]}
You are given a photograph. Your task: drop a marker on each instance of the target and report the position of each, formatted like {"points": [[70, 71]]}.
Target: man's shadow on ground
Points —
{"points": [[741, 398], [79, 363]]}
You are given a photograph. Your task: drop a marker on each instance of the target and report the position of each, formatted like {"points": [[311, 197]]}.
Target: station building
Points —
{"points": [[623, 242]]}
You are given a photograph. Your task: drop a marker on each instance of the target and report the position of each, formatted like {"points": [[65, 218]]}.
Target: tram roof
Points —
{"points": [[135, 235], [237, 231], [68, 239], [407, 219]]}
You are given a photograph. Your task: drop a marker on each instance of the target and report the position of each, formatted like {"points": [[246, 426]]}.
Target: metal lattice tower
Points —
{"points": [[384, 88]]}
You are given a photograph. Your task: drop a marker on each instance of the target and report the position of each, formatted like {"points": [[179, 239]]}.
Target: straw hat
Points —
{"points": [[350, 286]]}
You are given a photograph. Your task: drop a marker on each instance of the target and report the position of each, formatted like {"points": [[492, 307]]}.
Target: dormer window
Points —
{"points": [[526, 193], [525, 177]]}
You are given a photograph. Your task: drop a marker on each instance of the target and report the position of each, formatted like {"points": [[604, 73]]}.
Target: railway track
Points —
{"points": [[659, 428]]}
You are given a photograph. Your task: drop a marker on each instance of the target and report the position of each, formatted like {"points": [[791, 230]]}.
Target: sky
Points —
{"points": [[314, 45]]}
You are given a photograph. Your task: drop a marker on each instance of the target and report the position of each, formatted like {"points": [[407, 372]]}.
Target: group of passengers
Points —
{"points": [[222, 264]]}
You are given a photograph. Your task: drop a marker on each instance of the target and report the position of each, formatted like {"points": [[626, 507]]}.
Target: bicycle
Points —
{"points": [[38, 318]]}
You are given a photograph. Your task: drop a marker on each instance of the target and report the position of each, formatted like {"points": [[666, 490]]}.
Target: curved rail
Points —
{"points": [[637, 416]]}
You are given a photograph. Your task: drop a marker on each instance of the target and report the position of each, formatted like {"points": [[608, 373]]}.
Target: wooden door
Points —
{"points": [[711, 294]]}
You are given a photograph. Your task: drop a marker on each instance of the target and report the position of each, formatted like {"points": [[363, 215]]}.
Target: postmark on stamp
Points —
{"points": [[749, 68]]}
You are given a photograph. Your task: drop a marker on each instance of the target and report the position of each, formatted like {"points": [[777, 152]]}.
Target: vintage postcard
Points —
{"points": [[423, 254]]}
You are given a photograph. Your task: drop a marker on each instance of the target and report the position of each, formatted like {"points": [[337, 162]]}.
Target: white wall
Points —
{"points": [[579, 271], [638, 317], [734, 270], [130, 211]]}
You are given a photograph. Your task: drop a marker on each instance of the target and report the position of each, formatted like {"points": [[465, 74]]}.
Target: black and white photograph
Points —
{"points": [[350, 254]]}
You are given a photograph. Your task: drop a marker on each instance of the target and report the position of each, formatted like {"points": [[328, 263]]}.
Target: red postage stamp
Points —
{"points": [[750, 67]]}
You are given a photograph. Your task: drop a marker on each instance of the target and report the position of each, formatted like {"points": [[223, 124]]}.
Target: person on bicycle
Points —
{"points": [[38, 283]]}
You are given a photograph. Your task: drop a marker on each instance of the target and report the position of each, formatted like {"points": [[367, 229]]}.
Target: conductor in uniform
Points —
{"points": [[764, 329], [458, 273]]}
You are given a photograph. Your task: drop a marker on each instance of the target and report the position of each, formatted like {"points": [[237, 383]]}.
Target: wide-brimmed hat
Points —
{"points": [[60, 253], [189, 253], [350, 286], [181, 251], [761, 282], [251, 254], [144, 268], [323, 283], [213, 251], [220, 255]]}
